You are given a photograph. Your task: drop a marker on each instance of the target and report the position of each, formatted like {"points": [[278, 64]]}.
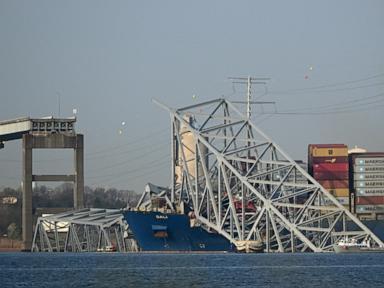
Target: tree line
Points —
{"points": [[58, 197]]}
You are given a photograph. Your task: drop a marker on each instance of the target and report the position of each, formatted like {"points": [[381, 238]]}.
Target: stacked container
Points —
{"points": [[328, 165], [367, 182]]}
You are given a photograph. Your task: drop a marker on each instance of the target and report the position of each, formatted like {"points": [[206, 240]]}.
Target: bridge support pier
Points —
{"points": [[27, 193], [49, 141]]}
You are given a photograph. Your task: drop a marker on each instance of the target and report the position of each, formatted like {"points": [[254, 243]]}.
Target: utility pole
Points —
{"points": [[249, 81]]}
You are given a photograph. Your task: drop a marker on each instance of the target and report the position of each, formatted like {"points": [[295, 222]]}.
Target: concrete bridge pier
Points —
{"points": [[49, 141]]}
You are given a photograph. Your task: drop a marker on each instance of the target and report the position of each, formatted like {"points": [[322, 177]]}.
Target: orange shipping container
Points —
{"points": [[339, 192], [327, 152]]}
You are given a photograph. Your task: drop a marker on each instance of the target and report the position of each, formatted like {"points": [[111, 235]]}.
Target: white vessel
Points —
{"points": [[350, 245]]}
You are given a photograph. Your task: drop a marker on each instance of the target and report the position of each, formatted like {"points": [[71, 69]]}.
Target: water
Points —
{"points": [[191, 270]]}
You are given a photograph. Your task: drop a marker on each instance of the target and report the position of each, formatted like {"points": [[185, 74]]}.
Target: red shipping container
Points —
{"points": [[331, 175], [370, 200], [334, 184], [331, 167], [330, 159]]}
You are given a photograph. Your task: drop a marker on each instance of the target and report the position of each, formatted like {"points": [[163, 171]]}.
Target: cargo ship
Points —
{"points": [[158, 225], [376, 226], [172, 232]]}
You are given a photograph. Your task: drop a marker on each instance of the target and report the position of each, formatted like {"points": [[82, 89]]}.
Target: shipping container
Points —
{"points": [[326, 146], [343, 175], [332, 167], [313, 147], [367, 155], [334, 184], [369, 200], [316, 160], [368, 169], [291, 178], [369, 208], [371, 184], [342, 200], [368, 176], [312, 161], [378, 161], [339, 192], [369, 191], [326, 152]]}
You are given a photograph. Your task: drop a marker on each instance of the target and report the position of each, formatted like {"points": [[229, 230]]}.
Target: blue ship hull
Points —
{"points": [[376, 226], [155, 231]]}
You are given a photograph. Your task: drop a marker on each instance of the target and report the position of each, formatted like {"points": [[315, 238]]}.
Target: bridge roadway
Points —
{"points": [[15, 129]]}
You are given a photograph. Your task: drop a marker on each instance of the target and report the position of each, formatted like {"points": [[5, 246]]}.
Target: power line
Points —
{"points": [[332, 84], [149, 136], [134, 177], [127, 151], [339, 104], [108, 152], [125, 162], [329, 90], [341, 107], [341, 111], [144, 166], [154, 164]]}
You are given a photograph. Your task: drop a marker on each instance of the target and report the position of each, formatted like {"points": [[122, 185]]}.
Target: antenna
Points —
{"points": [[58, 102], [249, 81]]}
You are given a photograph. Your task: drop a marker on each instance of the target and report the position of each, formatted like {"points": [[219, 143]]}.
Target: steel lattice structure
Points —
{"points": [[84, 230], [241, 184]]}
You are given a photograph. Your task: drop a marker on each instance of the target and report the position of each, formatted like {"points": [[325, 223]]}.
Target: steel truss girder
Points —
{"points": [[85, 230], [245, 187]]}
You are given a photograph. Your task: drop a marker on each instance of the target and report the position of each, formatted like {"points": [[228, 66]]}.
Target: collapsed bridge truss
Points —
{"points": [[239, 183], [83, 230]]}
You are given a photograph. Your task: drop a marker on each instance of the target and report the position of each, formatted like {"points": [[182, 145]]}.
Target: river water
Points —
{"points": [[191, 270]]}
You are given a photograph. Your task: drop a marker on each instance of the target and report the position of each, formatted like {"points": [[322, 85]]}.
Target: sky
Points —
{"points": [[109, 59]]}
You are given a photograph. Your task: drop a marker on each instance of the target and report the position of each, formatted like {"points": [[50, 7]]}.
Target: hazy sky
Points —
{"points": [[108, 59]]}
